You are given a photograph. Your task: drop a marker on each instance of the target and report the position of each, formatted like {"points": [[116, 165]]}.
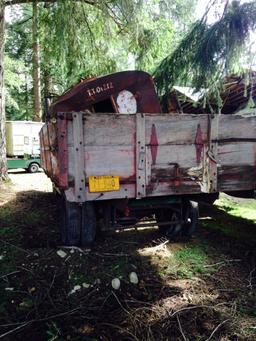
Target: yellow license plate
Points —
{"points": [[103, 183]]}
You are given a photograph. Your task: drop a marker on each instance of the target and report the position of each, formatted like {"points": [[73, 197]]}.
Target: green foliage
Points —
{"points": [[190, 261], [16, 89], [74, 38], [53, 331], [79, 40], [152, 43], [209, 52], [18, 80], [242, 208]]}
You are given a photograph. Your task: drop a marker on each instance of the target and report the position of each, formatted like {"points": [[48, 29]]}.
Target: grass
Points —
{"points": [[242, 208], [234, 217], [190, 261], [179, 260]]}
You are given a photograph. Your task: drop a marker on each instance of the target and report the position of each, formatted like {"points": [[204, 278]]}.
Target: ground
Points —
{"points": [[198, 289]]}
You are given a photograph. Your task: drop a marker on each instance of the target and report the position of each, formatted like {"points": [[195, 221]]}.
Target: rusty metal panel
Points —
{"points": [[128, 89]]}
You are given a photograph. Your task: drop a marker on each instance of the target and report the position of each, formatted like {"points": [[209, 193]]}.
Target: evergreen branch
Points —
{"points": [[20, 2], [208, 52]]}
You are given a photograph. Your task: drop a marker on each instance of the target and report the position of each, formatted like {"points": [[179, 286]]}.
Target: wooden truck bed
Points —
{"points": [[148, 154]]}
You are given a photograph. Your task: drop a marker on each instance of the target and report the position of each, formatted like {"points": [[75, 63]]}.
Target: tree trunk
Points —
{"points": [[36, 66], [3, 165]]}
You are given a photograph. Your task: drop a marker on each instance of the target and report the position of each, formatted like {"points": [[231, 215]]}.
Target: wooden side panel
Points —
{"points": [[49, 151], [109, 130], [238, 166], [106, 160], [175, 129], [237, 127], [179, 150]]}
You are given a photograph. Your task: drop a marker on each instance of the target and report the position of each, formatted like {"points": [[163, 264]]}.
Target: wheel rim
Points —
{"points": [[33, 168]]}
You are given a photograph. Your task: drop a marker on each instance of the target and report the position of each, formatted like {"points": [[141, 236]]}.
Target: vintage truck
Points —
{"points": [[22, 145], [116, 158]]}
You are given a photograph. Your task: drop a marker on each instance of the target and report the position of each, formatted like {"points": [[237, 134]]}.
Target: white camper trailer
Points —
{"points": [[22, 145], [22, 137]]}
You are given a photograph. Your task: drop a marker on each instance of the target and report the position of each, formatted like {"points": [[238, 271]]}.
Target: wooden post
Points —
{"points": [[79, 160], [140, 156]]}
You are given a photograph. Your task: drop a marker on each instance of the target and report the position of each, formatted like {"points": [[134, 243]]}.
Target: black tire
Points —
{"points": [[70, 223], [191, 213], [78, 225], [33, 168]]}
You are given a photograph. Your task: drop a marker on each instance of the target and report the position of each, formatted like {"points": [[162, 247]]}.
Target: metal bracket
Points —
{"points": [[140, 156], [79, 158], [210, 174], [62, 151]]}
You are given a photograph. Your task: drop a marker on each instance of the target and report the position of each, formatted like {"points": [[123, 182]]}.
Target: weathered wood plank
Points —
{"points": [[236, 126], [235, 178], [176, 129], [110, 130], [106, 160]]}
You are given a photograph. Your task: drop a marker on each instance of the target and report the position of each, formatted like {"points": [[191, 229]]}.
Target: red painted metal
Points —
{"points": [[199, 144], [62, 151], [153, 144], [86, 94]]}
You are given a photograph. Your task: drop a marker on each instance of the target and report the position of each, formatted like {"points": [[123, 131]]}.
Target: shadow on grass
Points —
{"points": [[238, 233], [70, 297]]}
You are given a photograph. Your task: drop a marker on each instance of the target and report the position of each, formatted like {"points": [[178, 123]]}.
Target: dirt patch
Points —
{"points": [[202, 289], [24, 181]]}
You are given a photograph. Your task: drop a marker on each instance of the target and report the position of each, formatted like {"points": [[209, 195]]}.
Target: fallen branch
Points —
{"points": [[15, 246], [196, 307], [14, 330], [180, 327], [9, 274], [215, 329], [222, 263]]}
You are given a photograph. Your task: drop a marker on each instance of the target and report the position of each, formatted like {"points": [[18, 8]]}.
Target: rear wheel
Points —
{"points": [[174, 217], [33, 168], [183, 219], [78, 225]]}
